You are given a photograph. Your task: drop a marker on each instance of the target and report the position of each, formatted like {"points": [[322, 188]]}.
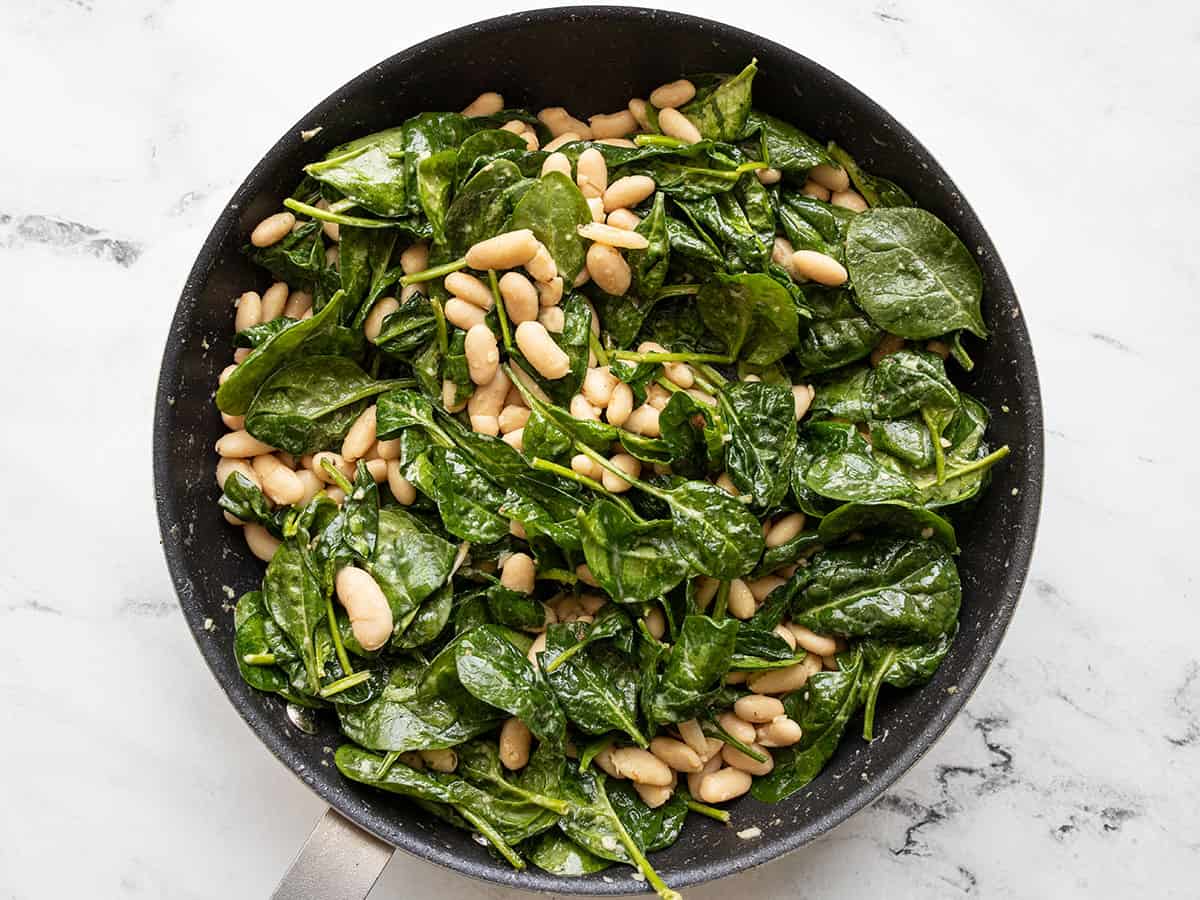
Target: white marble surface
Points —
{"points": [[1074, 129]]}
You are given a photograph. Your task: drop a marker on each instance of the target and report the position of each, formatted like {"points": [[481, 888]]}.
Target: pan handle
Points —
{"points": [[339, 861]]}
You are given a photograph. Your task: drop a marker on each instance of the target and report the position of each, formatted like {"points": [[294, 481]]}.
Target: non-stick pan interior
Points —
{"points": [[593, 60]]}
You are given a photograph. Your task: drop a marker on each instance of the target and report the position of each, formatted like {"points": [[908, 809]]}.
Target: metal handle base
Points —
{"points": [[339, 861]]}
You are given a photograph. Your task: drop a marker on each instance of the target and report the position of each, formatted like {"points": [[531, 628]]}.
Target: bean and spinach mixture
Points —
{"points": [[604, 470]]}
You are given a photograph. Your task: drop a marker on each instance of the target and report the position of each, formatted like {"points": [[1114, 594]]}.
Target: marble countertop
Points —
{"points": [[1074, 770]]}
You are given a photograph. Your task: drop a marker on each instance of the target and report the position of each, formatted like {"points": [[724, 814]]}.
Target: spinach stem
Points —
{"points": [[343, 684], [338, 478], [501, 312], [565, 656], [960, 354], [633, 356], [335, 161], [635, 853], [873, 694], [336, 634], [712, 812], [715, 727], [939, 452], [386, 765], [258, 659], [665, 382], [328, 215], [494, 837], [677, 290], [645, 630], [598, 349], [434, 273], [659, 140], [721, 601], [713, 375], [704, 384], [439, 315], [982, 463], [624, 476]]}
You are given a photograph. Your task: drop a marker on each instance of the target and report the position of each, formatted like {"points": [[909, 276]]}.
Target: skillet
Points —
{"points": [[590, 59]]}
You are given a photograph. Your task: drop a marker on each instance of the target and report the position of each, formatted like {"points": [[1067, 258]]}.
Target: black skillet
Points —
{"points": [[590, 59]]}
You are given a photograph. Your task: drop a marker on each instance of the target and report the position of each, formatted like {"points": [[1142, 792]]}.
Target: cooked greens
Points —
{"points": [[548, 480]]}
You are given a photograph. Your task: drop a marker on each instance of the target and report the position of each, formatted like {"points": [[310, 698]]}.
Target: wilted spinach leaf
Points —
{"points": [[760, 419]]}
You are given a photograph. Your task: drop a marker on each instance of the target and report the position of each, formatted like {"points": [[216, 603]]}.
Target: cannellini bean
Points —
{"points": [[504, 251], [440, 760], [415, 258], [449, 397], [592, 603], [591, 173], [528, 382], [550, 292], [531, 140], [279, 482], [613, 236], [712, 763], [227, 466], [368, 609], [623, 218], [225, 373], [241, 445], [485, 425], [819, 644], [553, 319], [677, 125], [463, 314], [676, 754], [517, 530], [559, 121], [581, 409], [628, 192], [679, 374], [519, 573], [567, 137], [706, 589], [785, 529], [515, 439], [627, 464], [644, 421], [620, 404], [483, 355], [816, 191], [724, 785], [612, 125], [272, 229], [736, 727], [891, 343], [335, 493], [673, 94], [311, 484], [604, 760], [556, 162], [693, 735], [819, 267], [520, 297], [538, 646], [758, 708], [542, 266], [657, 396], [701, 397], [488, 399], [298, 304], [641, 765], [832, 178], [487, 104], [656, 623], [803, 395], [261, 542], [941, 348], [725, 483], [543, 354], [779, 732], [516, 126], [735, 677], [849, 200], [587, 466], [609, 269], [596, 206], [761, 587], [786, 633], [598, 386], [469, 288], [783, 681], [739, 760], [233, 423], [249, 311], [584, 574], [637, 107], [332, 254], [515, 740], [741, 600], [653, 795], [240, 354], [336, 460], [383, 308], [513, 417], [274, 299], [768, 176], [360, 437]]}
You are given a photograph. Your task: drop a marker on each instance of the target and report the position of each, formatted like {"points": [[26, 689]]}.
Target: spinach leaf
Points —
{"points": [[483, 146], [906, 438], [912, 275], [721, 113], [760, 419], [479, 763], [352, 533], [435, 184], [409, 329], [310, 404], [633, 561], [428, 621], [455, 368], [243, 499], [482, 207], [309, 336], [292, 595], [364, 171], [410, 564], [497, 673], [887, 588], [822, 711], [514, 609], [649, 266], [596, 686], [753, 314], [253, 648], [877, 191], [552, 209], [557, 854], [802, 545], [835, 461], [812, 224], [363, 255], [784, 146], [688, 242], [695, 442], [695, 665], [714, 533], [838, 334], [298, 259], [911, 380], [900, 665], [256, 334], [724, 220], [891, 517], [469, 502], [843, 395]]}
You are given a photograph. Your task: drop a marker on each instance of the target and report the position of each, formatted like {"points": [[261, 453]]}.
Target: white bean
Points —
{"points": [[337, 461], [625, 463], [383, 308], [712, 763], [612, 125], [656, 623], [450, 395], [779, 732], [553, 319], [298, 303], [401, 488], [736, 727], [261, 542], [249, 311], [724, 785], [677, 125], [515, 740], [279, 482], [488, 399], [830, 177], [758, 708], [673, 94], [487, 104], [556, 162], [768, 176], [628, 192], [485, 425], [652, 795], [469, 288], [620, 404], [240, 354], [786, 633], [816, 191], [567, 137], [761, 588], [819, 267], [819, 644], [644, 421], [803, 395], [623, 218], [676, 754], [584, 574], [463, 314], [598, 386], [739, 760], [415, 258], [596, 207], [785, 529], [613, 236], [233, 423], [581, 409], [519, 573], [741, 599], [440, 760], [241, 445], [559, 121], [604, 760], [226, 466], [637, 107], [368, 609], [550, 292], [311, 484], [272, 229], [520, 297], [609, 269], [585, 465], [274, 299], [786, 680], [849, 200], [539, 349], [483, 355], [360, 437], [890, 343], [591, 173], [642, 766], [504, 251], [513, 417], [706, 589]]}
